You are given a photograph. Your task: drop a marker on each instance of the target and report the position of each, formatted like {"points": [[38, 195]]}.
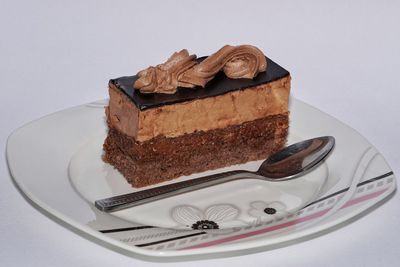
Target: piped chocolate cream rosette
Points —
{"points": [[182, 69]]}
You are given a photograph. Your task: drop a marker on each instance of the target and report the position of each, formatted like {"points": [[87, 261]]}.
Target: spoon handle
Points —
{"points": [[145, 196]]}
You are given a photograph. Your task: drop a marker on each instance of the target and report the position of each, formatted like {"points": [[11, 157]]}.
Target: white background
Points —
{"points": [[343, 57]]}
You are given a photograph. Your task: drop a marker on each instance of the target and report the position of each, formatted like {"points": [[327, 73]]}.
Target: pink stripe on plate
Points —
{"points": [[284, 225]]}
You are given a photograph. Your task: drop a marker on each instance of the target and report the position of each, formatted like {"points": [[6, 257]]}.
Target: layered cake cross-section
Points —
{"points": [[190, 114]]}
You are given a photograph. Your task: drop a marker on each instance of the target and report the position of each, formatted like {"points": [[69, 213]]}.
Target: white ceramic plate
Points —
{"points": [[56, 163]]}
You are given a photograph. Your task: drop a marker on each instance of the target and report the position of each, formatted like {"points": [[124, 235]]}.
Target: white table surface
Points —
{"points": [[343, 57]]}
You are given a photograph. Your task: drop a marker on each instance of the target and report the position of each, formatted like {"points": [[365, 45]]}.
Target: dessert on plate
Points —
{"points": [[190, 114]]}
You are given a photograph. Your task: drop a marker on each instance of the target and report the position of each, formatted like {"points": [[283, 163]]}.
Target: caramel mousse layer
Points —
{"points": [[205, 114]]}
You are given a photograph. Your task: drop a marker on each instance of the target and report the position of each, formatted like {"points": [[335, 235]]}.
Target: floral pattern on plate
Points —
{"points": [[211, 218], [264, 211]]}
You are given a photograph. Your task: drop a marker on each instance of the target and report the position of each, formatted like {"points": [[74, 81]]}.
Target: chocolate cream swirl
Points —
{"points": [[182, 69]]}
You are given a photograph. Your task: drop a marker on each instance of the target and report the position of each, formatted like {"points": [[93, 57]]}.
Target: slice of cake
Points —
{"points": [[191, 114]]}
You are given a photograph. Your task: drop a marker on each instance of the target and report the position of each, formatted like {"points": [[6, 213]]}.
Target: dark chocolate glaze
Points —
{"points": [[217, 86]]}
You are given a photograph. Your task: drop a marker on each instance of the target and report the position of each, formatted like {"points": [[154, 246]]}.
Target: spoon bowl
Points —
{"points": [[296, 159], [289, 163]]}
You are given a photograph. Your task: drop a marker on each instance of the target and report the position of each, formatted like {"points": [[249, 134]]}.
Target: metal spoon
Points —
{"points": [[289, 163]]}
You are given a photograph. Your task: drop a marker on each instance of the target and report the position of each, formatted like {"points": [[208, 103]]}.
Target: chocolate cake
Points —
{"points": [[190, 114]]}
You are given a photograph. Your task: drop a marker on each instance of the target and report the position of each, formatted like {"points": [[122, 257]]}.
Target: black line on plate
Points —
{"points": [[175, 238], [125, 229], [169, 239], [322, 199], [346, 189], [375, 179]]}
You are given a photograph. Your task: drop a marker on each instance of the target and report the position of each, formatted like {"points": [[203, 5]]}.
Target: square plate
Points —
{"points": [[41, 154]]}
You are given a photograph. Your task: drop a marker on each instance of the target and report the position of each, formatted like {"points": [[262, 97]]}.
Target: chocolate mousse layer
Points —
{"points": [[232, 108]]}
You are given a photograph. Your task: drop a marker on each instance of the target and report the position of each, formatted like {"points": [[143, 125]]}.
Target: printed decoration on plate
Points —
{"points": [[211, 218], [264, 211]]}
